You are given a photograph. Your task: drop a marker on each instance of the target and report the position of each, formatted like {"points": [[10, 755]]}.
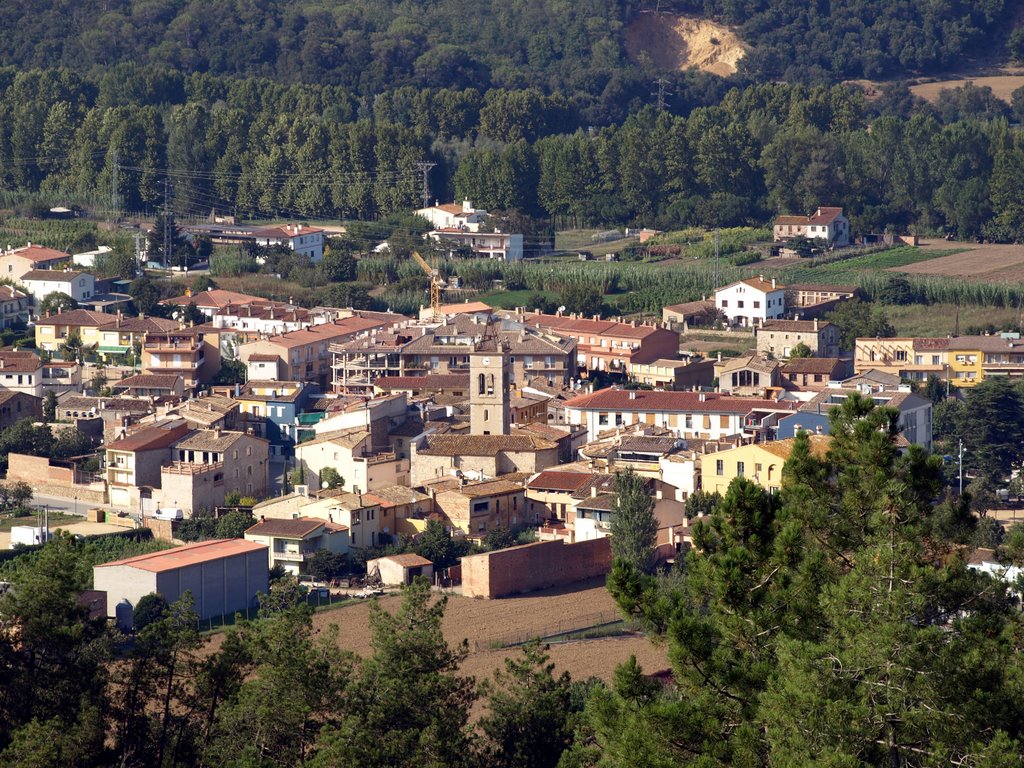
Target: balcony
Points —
{"points": [[296, 555]]}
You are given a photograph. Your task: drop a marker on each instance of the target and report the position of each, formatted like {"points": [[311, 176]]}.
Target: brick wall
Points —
{"points": [[534, 566], [36, 469]]}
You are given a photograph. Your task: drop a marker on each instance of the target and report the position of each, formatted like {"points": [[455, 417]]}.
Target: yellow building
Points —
{"points": [[964, 360], [760, 462]]}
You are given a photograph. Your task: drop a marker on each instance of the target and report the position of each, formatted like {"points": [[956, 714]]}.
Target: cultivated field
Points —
{"points": [[1002, 86], [487, 622], [991, 262]]}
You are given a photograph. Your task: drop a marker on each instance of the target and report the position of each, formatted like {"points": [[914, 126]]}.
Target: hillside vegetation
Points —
{"points": [[576, 47]]}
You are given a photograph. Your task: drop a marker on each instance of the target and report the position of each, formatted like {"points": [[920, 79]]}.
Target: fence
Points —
{"points": [[555, 629]]}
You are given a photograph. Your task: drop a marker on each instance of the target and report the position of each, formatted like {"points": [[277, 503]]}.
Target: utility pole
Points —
{"points": [[168, 217], [113, 187], [661, 82], [716, 285], [424, 168], [961, 462], [138, 253]]}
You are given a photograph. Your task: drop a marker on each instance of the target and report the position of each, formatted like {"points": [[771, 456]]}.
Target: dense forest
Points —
{"points": [[264, 149], [574, 47], [833, 623]]}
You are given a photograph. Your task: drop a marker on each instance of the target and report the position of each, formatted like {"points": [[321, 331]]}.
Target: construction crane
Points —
{"points": [[437, 283]]}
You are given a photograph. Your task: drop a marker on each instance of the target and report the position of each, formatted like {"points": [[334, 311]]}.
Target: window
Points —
{"points": [[355, 517], [739, 304], [725, 303], [481, 388], [901, 355], [740, 468], [602, 419], [689, 421], [719, 467], [935, 360], [757, 304]]}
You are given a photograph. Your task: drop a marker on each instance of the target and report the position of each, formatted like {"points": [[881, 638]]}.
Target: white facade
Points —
{"points": [[454, 216], [702, 425], [307, 241], [78, 285], [88, 258], [486, 245], [680, 471], [749, 302]]}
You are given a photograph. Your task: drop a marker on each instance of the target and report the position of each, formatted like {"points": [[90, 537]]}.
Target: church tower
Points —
{"points": [[489, 379]]}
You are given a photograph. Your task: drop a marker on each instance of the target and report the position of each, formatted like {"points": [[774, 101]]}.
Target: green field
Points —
{"points": [[847, 270]]}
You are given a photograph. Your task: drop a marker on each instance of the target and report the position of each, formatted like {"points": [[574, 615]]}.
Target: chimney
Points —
{"points": [[773, 283], [703, 397], [632, 394], [467, 207], [593, 491], [815, 325]]}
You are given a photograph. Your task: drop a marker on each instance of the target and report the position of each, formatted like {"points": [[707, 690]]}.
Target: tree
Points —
{"points": [[118, 263], [146, 296], [326, 565], [55, 302], [50, 406], [191, 315], [800, 350], [329, 478], [409, 706], [857, 319], [234, 524], [992, 428], [435, 544], [634, 526], [150, 608], [582, 299], [530, 716]]}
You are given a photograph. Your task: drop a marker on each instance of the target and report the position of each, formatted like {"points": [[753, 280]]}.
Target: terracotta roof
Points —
{"points": [[38, 253], [821, 365], [469, 307], [825, 215], [489, 488], [647, 444], [152, 438], [76, 317], [8, 293], [754, 362], [260, 357], [148, 381], [765, 286], [298, 527], [408, 560], [51, 275], [211, 440], [782, 448], [790, 220], [985, 344], [139, 324], [691, 307], [323, 332], [925, 344], [794, 326], [348, 438], [562, 324], [553, 480], [286, 391], [82, 403], [19, 362], [190, 554], [982, 555], [215, 298], [483, 445], [430, 381], [395, 495], [822, 288]]}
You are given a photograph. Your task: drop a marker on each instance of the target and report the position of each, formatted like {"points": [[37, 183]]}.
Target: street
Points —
{"points": [[67, 506]]}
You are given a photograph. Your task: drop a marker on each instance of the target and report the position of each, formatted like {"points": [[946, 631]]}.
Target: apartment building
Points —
{"points": [[192, 353]]}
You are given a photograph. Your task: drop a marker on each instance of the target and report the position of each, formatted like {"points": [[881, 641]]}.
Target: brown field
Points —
{"points": [[1002, 86], [990, 261], [487, 622]]}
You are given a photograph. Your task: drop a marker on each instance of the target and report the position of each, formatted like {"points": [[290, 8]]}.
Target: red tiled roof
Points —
{"points": [[647, 400], [37, 253], [151, 438], [215, 298], [148, 381], [51, 275], [408, 560], [287, 230], [190, 554], [76, 317], [553, 480], [825, 215]]}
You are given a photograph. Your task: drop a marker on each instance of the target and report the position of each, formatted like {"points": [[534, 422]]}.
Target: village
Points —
{"points": [[355, 430]]}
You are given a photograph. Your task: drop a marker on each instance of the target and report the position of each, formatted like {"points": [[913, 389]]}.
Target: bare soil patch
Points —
{"points": [[677, 42], [1002, 86], [988, 261], [483, 622]]}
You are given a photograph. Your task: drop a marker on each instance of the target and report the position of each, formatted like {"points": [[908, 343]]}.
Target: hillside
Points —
{"points": [[676, 42]]}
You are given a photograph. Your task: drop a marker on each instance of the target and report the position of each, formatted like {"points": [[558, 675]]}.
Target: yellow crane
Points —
{"points": [[436, 283]]}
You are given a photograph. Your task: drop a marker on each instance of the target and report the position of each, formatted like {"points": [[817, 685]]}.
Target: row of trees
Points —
{"points": [[758, 150]]}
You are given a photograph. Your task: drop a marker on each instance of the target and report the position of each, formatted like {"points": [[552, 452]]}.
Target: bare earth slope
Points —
{"points": [[670, 41]]}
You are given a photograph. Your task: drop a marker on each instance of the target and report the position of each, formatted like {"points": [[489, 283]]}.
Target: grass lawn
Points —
{"points": [[940, 319], [55, 519]]}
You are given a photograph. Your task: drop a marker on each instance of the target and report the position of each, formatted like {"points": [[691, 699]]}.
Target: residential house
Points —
{"points": [[193, 353], [395, 570], [210, 410], [271, 409], [748, 375], [777, 338], [15, 406], [163, 385], [119, 335], [810, 300], [17, 262], [215, 301], [487, 455], [115, 414], [814, 373], [351, 452], [62, 376], [207, 464], [224, 576], [678, 316], [462, 225], [53, 331], [454, 216], [596, 504], [690, 415], [476, 508], [914, 359], [80, 286], [304, 240], [674, 374], [750, 302], [21, 371], [306, 355], [549, 494], [292, 544], [828, 224], [915, 412], [15, 307], [134, 460], [405, 506], [640, 452], [606, 345], [761, 463]]}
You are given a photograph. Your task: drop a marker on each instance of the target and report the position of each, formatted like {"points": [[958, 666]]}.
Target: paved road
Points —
{"points": [[67, 506]]}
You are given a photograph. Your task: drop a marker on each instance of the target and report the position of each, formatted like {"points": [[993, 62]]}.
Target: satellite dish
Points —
{"points": [[561, 308]]}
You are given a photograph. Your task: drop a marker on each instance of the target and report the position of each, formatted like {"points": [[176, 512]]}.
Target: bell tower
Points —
{"points": [[489, 379]]}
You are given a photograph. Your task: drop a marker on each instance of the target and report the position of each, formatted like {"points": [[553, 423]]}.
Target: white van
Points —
{"points": [[169, 514]]}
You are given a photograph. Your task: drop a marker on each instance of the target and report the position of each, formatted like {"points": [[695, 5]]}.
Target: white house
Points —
{"points": [[828, 224], [87, 259], [42, 282], [752, 301], [454, 216], [308, 241]]}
